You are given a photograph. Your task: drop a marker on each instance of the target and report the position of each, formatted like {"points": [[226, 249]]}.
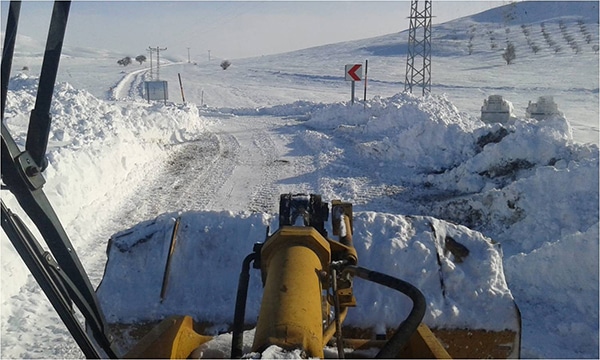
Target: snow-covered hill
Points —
{"points": [[117, 161]]}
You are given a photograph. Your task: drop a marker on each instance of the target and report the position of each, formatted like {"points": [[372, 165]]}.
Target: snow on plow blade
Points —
{"points": [[189, 264]]}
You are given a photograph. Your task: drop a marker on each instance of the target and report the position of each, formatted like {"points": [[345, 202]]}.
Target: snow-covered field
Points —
{"points": [[284, 123]]}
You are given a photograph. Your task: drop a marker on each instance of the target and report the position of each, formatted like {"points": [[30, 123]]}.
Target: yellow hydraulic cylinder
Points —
{"points": [[290, 316]]}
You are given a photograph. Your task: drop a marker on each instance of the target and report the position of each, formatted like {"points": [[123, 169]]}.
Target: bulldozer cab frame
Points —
{"points": [[59, 272]]}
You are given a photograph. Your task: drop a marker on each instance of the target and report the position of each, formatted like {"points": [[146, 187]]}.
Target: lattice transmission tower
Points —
{"points": [[157, 50], [418, 60]]}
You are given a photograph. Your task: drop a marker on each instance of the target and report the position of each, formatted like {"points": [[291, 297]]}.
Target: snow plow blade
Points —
{"points": [[463, 343], [428, 343], [301, 300], [173, 338]]}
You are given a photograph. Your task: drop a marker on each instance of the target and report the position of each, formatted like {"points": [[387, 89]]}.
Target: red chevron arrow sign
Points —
{"points": [[353, 72]]}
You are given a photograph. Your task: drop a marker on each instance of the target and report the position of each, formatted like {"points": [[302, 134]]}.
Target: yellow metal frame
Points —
{"points": [[292, 261], [173, 338]]}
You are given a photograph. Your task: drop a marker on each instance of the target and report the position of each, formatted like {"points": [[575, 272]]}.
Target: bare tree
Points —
{"points": [[509, 54]]}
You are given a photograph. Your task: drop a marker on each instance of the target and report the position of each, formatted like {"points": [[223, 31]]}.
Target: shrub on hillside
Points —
{"points": [[225, 64]]}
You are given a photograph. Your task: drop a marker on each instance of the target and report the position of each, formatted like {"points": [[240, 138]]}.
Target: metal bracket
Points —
{"points": [[308, 209], [30, 171]]}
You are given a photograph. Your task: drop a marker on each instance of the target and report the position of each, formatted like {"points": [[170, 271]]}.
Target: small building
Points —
{"points": [[544, 108], [496, 110]]}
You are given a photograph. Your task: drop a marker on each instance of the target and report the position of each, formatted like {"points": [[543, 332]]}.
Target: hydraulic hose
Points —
{"points": [[408, 326], [237, 342]]}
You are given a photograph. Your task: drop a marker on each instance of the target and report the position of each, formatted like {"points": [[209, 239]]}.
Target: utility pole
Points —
{"points": [[188, 55], [158, 62], [418, 73], [158, 50], [150, 50]]}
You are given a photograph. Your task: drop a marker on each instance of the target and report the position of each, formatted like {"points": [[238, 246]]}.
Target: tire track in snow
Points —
{"points": [[244, 163], [132, 85], [126, 82], [188, 181], [265, 193], [240, 164], [254, 183]]}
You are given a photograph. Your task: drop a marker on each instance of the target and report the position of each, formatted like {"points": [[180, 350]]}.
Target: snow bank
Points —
{"points": [[524, 177], [96, 149], [567, 286], [402, 128], [204, 270], [459, 287], [559, 283]]}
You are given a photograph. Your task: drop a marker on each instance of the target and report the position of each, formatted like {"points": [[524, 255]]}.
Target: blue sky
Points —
{"points": [[229, 29]]}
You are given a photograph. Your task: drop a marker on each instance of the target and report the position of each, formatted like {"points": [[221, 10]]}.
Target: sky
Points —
{"points": [[228, 29]]}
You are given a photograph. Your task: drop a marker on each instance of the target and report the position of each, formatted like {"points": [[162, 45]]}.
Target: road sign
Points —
{"points": [[157, 90], [353, 72]]}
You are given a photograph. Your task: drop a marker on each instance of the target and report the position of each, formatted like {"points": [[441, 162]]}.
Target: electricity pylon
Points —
{"points": [[418, 61], [158, 50]]}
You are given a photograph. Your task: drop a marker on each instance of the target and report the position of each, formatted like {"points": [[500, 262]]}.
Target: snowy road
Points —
{"points": [[131, 85], [258, 149], [243, 163], [237, 165]]}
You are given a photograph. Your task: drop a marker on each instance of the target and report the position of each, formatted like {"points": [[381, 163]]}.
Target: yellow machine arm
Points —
{"points": [[304, 273]]}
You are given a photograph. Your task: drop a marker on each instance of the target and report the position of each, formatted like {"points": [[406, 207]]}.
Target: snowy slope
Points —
{"points": [[282, 123]]}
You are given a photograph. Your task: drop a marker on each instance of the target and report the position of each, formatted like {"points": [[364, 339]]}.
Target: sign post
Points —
{"points": [[366, 69], [353, 73], [181, 86]]}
